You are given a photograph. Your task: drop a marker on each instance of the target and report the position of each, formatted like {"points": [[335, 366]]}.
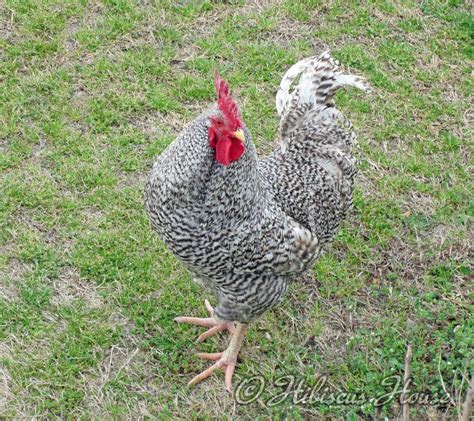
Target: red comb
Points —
{"points": [[226, 104], [222, 87]]}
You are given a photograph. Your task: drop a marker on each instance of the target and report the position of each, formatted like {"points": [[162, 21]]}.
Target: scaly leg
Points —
{"points": [[209, 322], [224, 360]]}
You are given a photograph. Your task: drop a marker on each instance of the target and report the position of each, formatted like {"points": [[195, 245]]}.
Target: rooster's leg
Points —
{"points": [[224, 360], [209, 322]]}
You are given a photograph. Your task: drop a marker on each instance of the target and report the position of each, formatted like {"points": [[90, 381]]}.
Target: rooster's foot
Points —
{"points": [[224, 360]]}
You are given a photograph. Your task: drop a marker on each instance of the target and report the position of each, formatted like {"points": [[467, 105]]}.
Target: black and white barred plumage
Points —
{"points": [[246, 230]]}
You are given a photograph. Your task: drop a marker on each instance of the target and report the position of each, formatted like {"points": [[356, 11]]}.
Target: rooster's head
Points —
{"points": [[225, 133]]}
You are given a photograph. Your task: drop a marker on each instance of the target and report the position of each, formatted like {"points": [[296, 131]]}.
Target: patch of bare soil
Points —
{"points": [[69, 287]]}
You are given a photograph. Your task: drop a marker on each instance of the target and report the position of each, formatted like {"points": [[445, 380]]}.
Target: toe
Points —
{"points": [[212, 331], [229, 372], [209, 308], [198, 321], [206, 373], [213, 356]]}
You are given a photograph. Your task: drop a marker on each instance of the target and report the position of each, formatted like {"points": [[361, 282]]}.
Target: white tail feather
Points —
{"points": [[311, 70], [292, 73], [351, 80]]}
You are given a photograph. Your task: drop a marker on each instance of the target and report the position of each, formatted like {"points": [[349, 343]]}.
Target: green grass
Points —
{"points": [[90, 92]]}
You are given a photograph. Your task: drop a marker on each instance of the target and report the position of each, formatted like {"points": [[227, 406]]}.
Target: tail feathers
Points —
{"points": [[319, 79]]}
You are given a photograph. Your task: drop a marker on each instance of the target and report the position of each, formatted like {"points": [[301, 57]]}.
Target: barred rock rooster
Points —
{"points": [[246, 227]]}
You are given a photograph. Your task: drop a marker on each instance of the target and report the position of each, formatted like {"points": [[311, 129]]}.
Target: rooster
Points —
{"points": [[247, 226]]}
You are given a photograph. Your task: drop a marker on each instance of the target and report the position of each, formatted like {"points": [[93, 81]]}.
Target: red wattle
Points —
{"points": [[236, 150], [222, 150], [229, 149]]}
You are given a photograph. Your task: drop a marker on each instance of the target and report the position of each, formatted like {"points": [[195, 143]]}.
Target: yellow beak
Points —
{"points": [[239, 134]]}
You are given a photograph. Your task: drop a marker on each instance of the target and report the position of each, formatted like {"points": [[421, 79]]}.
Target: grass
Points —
{"points": [[91, 91]]}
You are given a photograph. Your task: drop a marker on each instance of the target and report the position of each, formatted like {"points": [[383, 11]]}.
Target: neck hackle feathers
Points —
{"points": [[222, 131]]}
